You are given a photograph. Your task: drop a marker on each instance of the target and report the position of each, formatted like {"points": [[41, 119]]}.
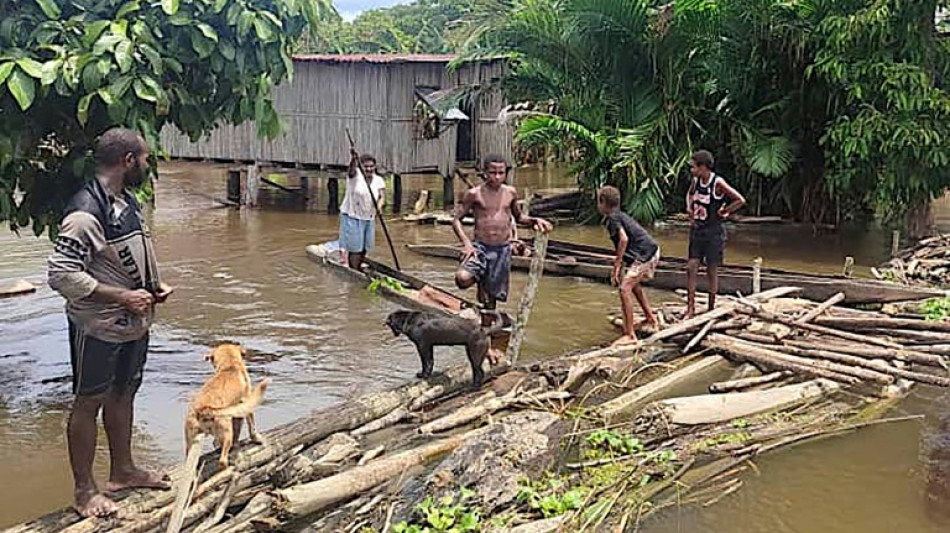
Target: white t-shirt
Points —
{"points": [[357, 202]]}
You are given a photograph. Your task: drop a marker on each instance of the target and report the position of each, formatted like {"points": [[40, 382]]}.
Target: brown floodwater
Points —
{"points": [[242, 275]]}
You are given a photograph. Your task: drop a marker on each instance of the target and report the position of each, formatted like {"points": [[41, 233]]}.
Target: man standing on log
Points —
{"points": [[487, 260], [357, 213], [706, 207], [104, 265]]}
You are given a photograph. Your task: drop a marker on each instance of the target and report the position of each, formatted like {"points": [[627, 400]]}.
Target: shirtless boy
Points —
{"points": [[487, 260]]}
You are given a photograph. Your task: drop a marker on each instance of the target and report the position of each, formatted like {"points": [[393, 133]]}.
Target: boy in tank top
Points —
{"points": [[709, 201]]}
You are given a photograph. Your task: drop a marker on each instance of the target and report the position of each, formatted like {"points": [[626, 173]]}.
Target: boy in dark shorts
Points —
{"points": [[636, 260], [487, 260], [706, 207]]}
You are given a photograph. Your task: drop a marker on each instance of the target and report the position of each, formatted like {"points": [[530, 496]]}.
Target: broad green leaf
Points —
{"points": [[22, 87], [144, 92], [219, 5], [263, 30], [128, 8], [120, 86], [203, 47], [272, 18], [31, 66], [123, 56], [5, 70], [92, 31], [174, 65], [82, 110], [106, 96], [51, 71], [104, 66], [227, 50], [170, 6], [245, 22], [50, 9], [208, 31], [153, 56], [106, 43]]}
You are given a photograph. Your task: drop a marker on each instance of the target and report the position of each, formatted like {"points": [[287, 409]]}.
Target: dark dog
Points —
{"points": [[428, 330]]}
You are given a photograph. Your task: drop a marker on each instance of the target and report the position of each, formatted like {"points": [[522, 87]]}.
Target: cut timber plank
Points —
{"points": [[713, 408], [629, 402]]}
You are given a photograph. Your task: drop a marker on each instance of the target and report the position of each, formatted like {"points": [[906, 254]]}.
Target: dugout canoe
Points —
{"points": [[594, 262], [411, 293]]}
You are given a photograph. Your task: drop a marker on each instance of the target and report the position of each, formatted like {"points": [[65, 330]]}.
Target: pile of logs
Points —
{"points": [[367, 465], [927, 262]]}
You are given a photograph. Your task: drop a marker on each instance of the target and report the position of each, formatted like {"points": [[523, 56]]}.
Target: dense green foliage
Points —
{"points": [[69, 69], [423, 26], [817, 109]]}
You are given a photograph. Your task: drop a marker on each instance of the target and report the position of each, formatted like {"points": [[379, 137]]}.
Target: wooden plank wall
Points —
{"points": [[374, 100]]}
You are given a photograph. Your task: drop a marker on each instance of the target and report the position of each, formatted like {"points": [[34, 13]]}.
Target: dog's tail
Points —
{"points": [[247, 406], [502, 321]]}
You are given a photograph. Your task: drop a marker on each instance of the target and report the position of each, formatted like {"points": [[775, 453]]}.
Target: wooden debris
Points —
{"points": [[745, 383], [711, 408], [18, 288]]}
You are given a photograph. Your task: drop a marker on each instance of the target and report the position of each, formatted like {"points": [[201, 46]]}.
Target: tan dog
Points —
{"points": [[223, 401]]}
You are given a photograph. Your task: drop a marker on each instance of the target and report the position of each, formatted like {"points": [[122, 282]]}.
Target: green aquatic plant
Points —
{"points": [[385, 281]]}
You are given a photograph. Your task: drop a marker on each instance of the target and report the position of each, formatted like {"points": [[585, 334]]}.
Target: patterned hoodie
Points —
{"points": [[103, 239]]}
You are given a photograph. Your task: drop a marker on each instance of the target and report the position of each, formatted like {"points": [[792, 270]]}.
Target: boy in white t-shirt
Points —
{"points": [[358, 215]]}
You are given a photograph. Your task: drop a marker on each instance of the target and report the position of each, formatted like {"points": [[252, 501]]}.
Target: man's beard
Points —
{"points": [[135, 176]]}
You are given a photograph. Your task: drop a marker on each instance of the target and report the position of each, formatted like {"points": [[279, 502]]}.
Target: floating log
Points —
{"points": [[877, 324], [824, 306], [745, 383], [872, 364], [778, 319], [712, 408], [308, 498], [868, 351], [777, 360], [719, 312], [470, 413], [632, 400]]}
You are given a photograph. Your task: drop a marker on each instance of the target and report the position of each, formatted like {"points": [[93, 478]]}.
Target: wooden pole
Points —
{"points": [[234, 186], [827, 304], [848, 267], [333, 202], [397, 193], [527, 299], [895, 243], [448, 192], [757, 275], [382, 221]]}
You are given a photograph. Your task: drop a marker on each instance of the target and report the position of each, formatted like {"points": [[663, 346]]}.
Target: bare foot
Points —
{"points": [[626, 340], [91, 503], [494, 356], [647, 326], [138, 479]]}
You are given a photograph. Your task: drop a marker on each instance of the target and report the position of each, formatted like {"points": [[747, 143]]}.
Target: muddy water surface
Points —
{"points": [[243, 275]]}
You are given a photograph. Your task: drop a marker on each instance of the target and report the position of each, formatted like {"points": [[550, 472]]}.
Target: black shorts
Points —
{"points": [[100, 366], [707, 247]]}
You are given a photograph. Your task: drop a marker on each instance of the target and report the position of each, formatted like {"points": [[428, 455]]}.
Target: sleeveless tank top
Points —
{"points": [[705, 204]]}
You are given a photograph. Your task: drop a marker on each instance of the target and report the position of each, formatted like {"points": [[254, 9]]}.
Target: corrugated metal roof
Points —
{"points": [[375, 58]]}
